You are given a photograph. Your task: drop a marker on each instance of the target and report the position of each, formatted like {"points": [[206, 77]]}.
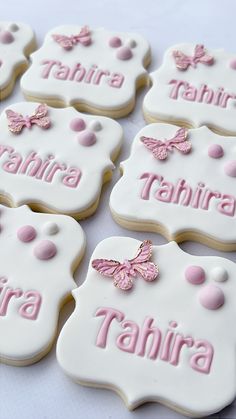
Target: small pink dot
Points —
{"points": [[124, 53], [195, 275], [77, 124], [215, 151], [26, 233], [211, 297], [173, 324], [115, 42], [230, 168], [233, 64], [87, 138], [6, 37], [45, 250]]}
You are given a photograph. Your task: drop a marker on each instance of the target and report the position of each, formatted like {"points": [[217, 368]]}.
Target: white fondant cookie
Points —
{"points": [[194, 86], [16, 43], [94, 70], [181, 184], [38, 253], [166, 340], [55, 160]]}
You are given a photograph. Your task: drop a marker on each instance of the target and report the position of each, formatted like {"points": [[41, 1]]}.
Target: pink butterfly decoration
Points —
{"points": [[183, 61], [160, 148], [16, 121], [67, 42], [122, 273]]}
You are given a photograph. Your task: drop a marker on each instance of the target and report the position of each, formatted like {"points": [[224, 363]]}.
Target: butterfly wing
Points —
{"points": [[84, 36], [144, 253], [106, 267], [201, 56], [122, 279], [63, 40], [140, 263], [39, 118], [148, 270], [157, 147], [185, 147], [181, 60], [15, 121], [180, 135]]}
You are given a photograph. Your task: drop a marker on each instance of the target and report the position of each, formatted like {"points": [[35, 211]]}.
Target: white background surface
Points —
{"points": [[42, 391]]}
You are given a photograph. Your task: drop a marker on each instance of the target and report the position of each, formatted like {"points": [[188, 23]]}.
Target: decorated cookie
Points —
{"points": [[194, 86], [16, 43], [165, 337], [180, 183], [38, 254], [92, 69], [55, 160]]}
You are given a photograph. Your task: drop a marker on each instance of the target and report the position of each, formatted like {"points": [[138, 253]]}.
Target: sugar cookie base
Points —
{"points": [[40, 355], [178, 237], [37, 207], [132, 407], [150, 119], [83, 107], [19, 69]]}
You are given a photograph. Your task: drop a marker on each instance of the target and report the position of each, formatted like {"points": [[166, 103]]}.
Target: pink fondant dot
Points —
{"points": [[173, 324], [77, 124], [6, 37], [26, 233], [195, 275], [211, 297], [115, 42], [124, 53], [87, 138], [215, 151], [45, 250], [233, 64], [230, 168]]}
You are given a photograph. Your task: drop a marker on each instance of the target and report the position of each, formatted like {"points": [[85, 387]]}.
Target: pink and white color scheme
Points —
{"points": [[55, 159], [145, 342], [161, 148], [35, 279], [122, 273], [194, 86], [16, 43], [92, 69], [180, 195]]}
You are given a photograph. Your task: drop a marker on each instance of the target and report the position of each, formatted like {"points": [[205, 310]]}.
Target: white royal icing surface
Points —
{"points": [[61, 142], [221, 74], [195, 167], [25, 338], [170, 298], [12, 53], [98, 53]]}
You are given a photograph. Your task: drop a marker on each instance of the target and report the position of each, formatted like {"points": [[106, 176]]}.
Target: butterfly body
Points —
{"points": [[161, 148], [16, 121], [67, 42], [183, 61], [122, 273]]}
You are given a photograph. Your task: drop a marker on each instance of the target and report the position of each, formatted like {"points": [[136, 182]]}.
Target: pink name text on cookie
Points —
{"points": [[32, 165], [28, 302], [148, 340], [181, 193], [78, 73], [201, 94]]}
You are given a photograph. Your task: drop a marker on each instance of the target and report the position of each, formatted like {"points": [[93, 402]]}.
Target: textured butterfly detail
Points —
{"points": [[160, 148], [16, 121], [122, 273], [67, 42], [183, 61]]}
